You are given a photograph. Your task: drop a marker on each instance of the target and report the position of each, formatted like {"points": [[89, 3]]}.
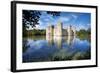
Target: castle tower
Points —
{"points": [[58, 29], [70, 31], [49, 30], [74, 31]]}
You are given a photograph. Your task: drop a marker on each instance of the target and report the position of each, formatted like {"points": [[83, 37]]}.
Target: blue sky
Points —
{"points": [[78, 20]]}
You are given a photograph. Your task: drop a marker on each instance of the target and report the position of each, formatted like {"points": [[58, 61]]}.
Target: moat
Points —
{"points": [[44, 48]]}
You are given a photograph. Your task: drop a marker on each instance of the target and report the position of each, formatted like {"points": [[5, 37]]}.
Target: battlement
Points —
{"points": [[59, 31]]}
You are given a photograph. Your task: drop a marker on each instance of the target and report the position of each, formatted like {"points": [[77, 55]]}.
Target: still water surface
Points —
{"points": [[41, 48]]}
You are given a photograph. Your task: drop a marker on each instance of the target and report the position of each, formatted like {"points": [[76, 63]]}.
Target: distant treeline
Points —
{"points": [[84, 33], [34, 32]]}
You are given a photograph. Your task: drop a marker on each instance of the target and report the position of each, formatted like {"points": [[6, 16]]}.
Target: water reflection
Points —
{"points": [[58, 40], [57, 48]]}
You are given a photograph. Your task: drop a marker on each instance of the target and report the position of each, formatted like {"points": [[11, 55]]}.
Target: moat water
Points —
{"points": [[41, 48]]}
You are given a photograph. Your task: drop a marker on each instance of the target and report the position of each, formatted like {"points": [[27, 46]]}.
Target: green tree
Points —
{"points": [[31, 18]]}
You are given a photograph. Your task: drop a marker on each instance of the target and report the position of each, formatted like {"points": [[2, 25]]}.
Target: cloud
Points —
{"points": [[89, 25], [64, 19], [74, 16], [29, 27], [42, 24], [82, 26], [37, 27], [46, 18]]}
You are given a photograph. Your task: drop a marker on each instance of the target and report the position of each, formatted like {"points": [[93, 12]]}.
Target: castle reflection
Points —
{"points": [[58, 40]]}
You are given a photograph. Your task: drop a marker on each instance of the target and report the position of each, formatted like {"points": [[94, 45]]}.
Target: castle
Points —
{"points": [[59, 31]]}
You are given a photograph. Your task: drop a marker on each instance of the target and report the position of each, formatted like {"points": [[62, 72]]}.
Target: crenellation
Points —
{"points": [[59, 31]]}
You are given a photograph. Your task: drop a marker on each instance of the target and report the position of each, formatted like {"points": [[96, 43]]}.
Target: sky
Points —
{"points": [[77, 20]]}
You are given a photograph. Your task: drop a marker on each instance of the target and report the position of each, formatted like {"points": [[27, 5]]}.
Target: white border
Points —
{"points": [[38, 65]]}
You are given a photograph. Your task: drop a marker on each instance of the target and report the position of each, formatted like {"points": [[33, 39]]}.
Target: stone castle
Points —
{"points": [[58, 30]]}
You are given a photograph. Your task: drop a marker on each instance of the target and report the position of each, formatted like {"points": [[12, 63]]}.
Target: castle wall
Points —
{"points": [[71, 31], [74, 32], [59, 31], [49, 31], [64, 32]]}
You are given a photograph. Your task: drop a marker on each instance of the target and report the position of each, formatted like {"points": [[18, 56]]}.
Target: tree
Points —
{"points": [[53, 13], [31, 18]]}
